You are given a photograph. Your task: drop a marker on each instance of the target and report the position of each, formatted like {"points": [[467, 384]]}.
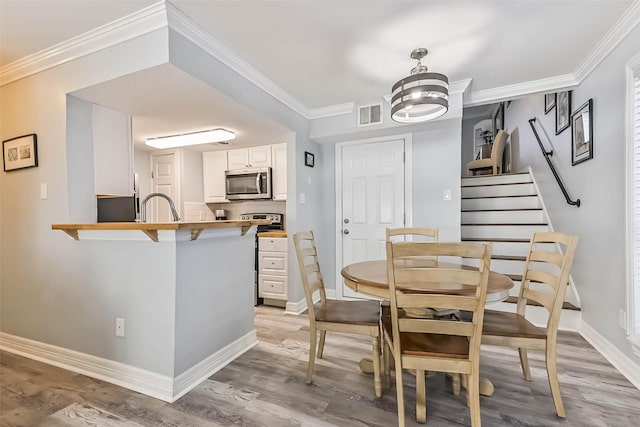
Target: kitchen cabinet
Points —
{"points": [[214, 165], [272, 268], [279, 177], [252, 157]]}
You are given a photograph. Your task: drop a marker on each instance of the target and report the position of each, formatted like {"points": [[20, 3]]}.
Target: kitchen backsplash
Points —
{"points": [[235, 209]]}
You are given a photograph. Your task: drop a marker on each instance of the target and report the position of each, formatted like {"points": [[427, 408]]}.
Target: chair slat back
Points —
{"points": [[413, 288], [309, 266], [413, 234], [546, 274]]}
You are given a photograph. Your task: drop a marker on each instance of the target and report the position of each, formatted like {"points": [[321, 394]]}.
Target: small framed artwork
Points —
{"points": [[309, 159], [498, 119], [582, 133], [20, 152], [549, 102], [563, 111]]}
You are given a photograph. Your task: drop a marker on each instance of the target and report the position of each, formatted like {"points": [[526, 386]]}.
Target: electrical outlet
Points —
{"points": [[119, 327], [301, 198], [622, 319]]}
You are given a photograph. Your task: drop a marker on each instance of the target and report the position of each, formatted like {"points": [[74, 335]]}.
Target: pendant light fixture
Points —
{"points": [[421, 96]]}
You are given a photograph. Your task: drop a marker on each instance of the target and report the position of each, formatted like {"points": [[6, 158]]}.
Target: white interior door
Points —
{"points": [[373, 197], [164, 181]]}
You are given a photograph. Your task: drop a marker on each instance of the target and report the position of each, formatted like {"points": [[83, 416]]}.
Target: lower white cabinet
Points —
{"points": [[272, 267]]}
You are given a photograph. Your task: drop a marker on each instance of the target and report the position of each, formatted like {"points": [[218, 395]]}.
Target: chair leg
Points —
{"points": [[455, 384], [323, 334], [421, 397], [524, 362], [399, 391], [552, 373], [312, 351], [386, 360], [473, 398], [377, 383]]}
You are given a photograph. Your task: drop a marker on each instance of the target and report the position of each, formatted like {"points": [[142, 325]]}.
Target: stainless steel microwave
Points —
{"points": [[246, 184]]}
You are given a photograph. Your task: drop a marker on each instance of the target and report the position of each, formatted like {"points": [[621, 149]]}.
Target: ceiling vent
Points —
{"points": [[369, 115]]}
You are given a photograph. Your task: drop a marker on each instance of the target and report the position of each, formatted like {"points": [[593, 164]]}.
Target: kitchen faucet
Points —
{"points": [[143, 209]]}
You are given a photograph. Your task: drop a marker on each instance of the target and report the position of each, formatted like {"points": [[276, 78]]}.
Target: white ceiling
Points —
{"points": [[326, 53]]}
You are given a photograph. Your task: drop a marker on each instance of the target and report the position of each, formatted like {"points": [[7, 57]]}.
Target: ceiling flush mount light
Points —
{"points": [[421, 96], [193, 138]]}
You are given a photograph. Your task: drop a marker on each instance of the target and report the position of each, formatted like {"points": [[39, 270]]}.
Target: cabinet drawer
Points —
{"points": [[272, 263], [272, 287], [273, 244]]}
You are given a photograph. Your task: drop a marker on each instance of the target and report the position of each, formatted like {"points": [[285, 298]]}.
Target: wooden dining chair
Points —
{"points": [[355, 317], [435, 344], [544, 281]]}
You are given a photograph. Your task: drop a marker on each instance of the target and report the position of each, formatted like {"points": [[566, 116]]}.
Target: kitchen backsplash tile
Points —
{"points": [[235, 209], [194, 211]]}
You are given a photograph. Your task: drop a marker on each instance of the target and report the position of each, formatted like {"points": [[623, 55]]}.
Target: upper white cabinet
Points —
{"points": [[253, 157], [214, 164], [279, 162]]}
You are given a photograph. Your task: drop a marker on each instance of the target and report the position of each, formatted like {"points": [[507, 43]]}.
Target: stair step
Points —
{"points": [[524, 179], [493, 231], [499, 190], [499, 216], [492, 179]]}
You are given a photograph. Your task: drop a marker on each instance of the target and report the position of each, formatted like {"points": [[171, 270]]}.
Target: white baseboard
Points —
{"points": [[199, 372], [149, 383], [140, 380], [626, 366]]}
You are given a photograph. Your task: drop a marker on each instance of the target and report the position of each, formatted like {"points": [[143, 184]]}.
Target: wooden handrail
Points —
{"points": [[547, 155]]}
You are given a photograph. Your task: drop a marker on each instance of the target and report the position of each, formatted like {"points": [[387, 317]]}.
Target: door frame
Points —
{"points": [[408, 186], [177, 197]]}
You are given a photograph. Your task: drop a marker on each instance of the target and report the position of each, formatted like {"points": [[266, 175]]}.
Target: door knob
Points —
{"points": [[346, 231]]}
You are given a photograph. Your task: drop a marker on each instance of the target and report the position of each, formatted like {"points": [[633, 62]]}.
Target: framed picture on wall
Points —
{"points": [[20, 152], [563, 111], [309, 159], [549, 102], [498, 119], [582, 133]]}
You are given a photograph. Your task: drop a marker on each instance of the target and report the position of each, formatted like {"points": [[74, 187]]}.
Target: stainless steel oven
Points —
{"points": [[277, 223], [247, 184]]}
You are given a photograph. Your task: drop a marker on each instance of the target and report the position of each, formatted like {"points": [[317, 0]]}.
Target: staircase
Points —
{"points": [[505, 210]]}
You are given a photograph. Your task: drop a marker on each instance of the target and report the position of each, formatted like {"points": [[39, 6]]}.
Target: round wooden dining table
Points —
{"points": [[370, 278]]}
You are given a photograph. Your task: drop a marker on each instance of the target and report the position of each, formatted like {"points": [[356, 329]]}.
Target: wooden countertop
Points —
{"points": [[275, 233], [151, 228]]}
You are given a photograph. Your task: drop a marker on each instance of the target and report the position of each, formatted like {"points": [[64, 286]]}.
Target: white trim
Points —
{"points": [[408, 190], [297, 308], [184, 25], [627, 22], [331, 110], [192, 377], [505, 93], [632, 70], [140, 380], [627, 367], [146, 382], [142, 22]]}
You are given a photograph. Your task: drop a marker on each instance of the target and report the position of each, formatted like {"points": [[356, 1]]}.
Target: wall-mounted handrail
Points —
{"points": [[547, 155]]}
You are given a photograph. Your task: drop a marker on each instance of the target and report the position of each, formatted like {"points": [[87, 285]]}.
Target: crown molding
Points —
{"points": [[131, 26], [331, 110], [505, 93], [627, 22], [184, 25]]}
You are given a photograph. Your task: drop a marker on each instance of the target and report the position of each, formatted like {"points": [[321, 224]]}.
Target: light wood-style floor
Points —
{"points": [[265, 387]]}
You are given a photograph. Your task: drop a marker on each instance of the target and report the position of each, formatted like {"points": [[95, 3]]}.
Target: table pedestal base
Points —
{"points": [[486, 386]]}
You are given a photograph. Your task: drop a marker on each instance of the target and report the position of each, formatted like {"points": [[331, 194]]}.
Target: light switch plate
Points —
{"points": [[447, 194], [301, 198], [44, 191]]}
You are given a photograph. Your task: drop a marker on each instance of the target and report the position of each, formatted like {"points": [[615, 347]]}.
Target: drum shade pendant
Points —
{"points": [[421, 96]]}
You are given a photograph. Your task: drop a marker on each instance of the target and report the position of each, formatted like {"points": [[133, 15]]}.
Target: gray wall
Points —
{"points": [[599, 268]]}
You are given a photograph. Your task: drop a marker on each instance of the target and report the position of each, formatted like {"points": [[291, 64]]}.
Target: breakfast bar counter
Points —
{"points": [[151, 228]]}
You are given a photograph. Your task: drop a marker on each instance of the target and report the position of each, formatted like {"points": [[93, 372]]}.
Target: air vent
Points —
{"points": [[369, 115]]}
